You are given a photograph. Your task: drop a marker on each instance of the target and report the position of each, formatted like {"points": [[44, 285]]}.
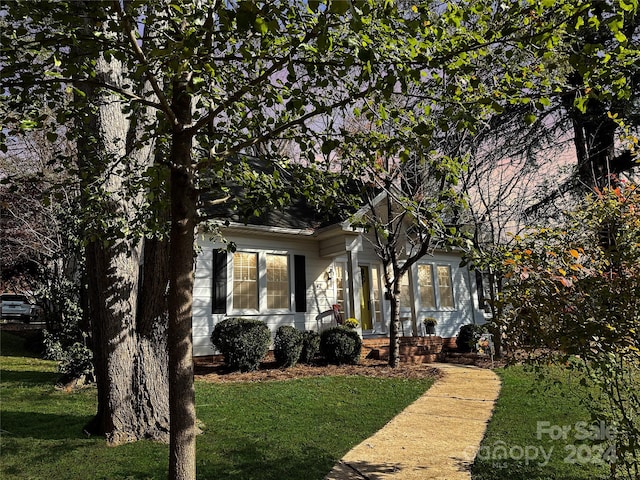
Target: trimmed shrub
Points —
{"points": [[310, 346], [242, 341], [340, 345], [468, 336], [287, 346]]}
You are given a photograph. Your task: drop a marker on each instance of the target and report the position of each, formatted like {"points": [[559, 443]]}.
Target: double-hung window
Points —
{"points": [[261, 281], [436, 291], [278, 293], [405, 291], [245, 281], [426, 287], [445, 286]]}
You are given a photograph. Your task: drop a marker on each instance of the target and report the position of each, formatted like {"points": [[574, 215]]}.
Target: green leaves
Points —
{"points": [[573, 292], [628, 5]]}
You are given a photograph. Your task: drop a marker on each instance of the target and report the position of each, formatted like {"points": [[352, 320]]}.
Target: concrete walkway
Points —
{"points": [[435, 438]]}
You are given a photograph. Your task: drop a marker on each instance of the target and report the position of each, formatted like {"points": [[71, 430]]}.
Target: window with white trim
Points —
{"points": [[341, 285], [405, 291], [245, 281], [435, 287], [261, 281], [445, 286], [426, 287], [375, 298], [278, 292]]}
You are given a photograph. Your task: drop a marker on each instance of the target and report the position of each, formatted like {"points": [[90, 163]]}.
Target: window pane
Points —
{"points": [[425, 284], [340, 285], [245, 281], [445, 287], [375, 289], [278, 295], [405, 294]]}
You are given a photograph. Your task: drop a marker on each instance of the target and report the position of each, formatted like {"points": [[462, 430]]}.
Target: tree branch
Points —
{"points": [[129, 31], [248, 87], [85, 81], [298, 121]]}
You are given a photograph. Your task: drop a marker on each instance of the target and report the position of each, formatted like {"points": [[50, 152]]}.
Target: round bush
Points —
{"points": [[287, 346], [468, 336], [242, 341], [340, 345], [310, 347]]}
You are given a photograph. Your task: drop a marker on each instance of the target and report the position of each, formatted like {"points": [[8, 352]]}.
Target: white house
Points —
{"points": [[289, 270]]}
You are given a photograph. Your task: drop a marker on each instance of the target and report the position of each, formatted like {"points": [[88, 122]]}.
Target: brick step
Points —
{"points": [[413, 350], [418, 359], [409, 349], [409, 359], [420, 349], [377, 342]]}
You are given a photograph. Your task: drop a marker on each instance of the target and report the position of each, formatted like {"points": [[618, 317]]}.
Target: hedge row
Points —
{"points": [[244, 343]]}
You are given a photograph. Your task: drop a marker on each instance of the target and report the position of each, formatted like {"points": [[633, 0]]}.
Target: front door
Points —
{"points": [[365, 300]]}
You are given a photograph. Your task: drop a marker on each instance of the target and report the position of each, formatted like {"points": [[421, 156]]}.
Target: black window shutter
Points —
{"points": [[299, 272], [219, 290]]}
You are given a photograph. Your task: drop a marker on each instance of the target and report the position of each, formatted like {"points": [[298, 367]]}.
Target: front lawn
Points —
{"points": [[294, 429], [538, 431]]}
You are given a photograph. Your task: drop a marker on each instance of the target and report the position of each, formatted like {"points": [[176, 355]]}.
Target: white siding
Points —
{"points": [[319, 293]]}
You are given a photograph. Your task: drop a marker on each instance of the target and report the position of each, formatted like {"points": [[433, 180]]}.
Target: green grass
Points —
{"points": [[294, 429], [514, 429]]}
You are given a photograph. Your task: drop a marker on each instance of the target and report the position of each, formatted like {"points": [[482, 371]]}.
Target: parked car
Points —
{"points": [[17, 306]]}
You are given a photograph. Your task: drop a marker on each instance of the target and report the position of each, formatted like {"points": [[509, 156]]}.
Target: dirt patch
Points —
{"points": [[213, 370]]}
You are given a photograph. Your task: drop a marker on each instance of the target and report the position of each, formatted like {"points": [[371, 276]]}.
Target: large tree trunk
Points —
{"points": [[130, 351], [151, 380], [129, 339], [182, 442], [112, 289]]}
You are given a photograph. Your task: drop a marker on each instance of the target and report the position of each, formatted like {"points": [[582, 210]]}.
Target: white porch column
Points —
{"points": [[355, 280]]}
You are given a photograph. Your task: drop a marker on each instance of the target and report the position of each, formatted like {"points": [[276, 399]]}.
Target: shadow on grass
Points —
{"points": [[28, 377], [20, 343], [43, 426], [258, 461]]}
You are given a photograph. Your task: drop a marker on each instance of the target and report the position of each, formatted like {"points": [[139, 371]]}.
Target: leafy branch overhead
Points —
{"points": [[165, 99]]}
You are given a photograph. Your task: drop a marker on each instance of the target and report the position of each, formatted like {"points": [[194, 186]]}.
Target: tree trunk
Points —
{"points": [[394, 337], [130, 351], [594, 139], [111, 301], [151, 381], [394, 330], [129, 340], [182, 442]]}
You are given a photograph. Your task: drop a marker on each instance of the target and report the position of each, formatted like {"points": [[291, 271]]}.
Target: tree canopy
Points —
{"points": [[160, 95]]}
